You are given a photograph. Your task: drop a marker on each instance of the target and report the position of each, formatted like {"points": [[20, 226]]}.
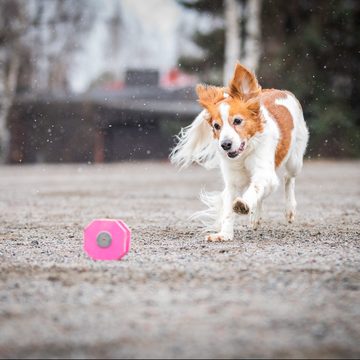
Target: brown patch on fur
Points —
{"points": [[243, 101], [283, 119], [209, 98], [249, 111]]}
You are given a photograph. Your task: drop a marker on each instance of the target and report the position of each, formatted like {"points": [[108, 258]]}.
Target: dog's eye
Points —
{"points": [[217, 126], [237, 121]]}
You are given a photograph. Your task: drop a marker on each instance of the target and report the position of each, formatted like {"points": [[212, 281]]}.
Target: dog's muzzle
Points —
{"points": [[234, 154]]}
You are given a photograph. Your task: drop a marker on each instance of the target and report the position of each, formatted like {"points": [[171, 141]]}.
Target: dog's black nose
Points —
{"points": [[226, 144]]}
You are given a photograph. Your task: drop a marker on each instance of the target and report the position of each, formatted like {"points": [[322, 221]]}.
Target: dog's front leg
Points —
{"points": [[227, 216], [261, 186]]}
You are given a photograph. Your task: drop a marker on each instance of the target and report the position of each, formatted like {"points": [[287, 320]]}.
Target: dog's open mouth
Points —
{"points": [[234, 154]]}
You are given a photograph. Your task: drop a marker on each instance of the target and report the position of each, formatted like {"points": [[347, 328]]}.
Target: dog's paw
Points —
{"points": [[255, 220], [218, 237], [255, 223], [240, 206], [290, 216]]}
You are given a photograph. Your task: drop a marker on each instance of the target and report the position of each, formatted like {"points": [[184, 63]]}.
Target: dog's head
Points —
{"points": [[234, 111]]}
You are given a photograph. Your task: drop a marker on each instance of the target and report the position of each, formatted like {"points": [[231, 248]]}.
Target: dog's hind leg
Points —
{"points": [[294, 163], [290, 201], [293, 167]]}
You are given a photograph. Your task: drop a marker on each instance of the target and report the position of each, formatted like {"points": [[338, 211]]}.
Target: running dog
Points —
{"points": [[250, 133]]}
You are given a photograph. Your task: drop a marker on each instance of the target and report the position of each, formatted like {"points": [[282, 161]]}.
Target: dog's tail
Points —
{"points": [[195, 144], [210, 217]]}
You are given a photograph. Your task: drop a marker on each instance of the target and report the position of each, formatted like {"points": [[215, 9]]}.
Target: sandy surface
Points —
{"points": [[280, 291]]}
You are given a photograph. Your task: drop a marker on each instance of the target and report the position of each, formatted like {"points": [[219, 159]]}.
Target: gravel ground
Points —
{"points": [[280, 291]]}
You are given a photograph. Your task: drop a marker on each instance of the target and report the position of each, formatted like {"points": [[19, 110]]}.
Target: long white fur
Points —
{"points": [[196, 144], [251, 174], [209, 217]]}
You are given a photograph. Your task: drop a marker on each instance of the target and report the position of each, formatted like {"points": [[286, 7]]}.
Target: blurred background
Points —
{"points": [[101, 81]]}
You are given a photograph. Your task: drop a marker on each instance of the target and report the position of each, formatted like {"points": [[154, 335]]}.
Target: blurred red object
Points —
{"points": [[114, 85], [177, 78]]}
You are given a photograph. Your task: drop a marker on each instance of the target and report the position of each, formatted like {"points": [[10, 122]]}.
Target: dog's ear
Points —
{"points": [[209, 95], [253, 105], [244, 83]]}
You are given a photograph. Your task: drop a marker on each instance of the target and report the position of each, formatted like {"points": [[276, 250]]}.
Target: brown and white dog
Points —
{"points": [[249, 132]]}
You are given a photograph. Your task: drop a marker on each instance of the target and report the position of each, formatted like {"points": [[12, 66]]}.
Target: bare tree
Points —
{"points": [[114, 24], [66, 26], [253, 34], [232, 37], [56, 34], [242, 43], [13, 23], [38, 39]]}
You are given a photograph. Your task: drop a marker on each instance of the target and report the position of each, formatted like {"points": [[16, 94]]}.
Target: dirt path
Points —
{"points": [[282, 291]]}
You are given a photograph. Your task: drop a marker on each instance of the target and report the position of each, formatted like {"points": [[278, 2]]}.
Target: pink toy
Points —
{"points": [[107, 239]]}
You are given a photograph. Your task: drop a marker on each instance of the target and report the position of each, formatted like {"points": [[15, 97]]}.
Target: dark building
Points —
{"points": [[137, 121]]}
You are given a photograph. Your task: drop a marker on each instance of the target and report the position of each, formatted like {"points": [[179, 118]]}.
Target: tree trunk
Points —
{"points": [[233, 12], [252, 34], [9, 82]]}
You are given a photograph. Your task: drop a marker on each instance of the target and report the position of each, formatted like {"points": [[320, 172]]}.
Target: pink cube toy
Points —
{"points": [[107, 239]]}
